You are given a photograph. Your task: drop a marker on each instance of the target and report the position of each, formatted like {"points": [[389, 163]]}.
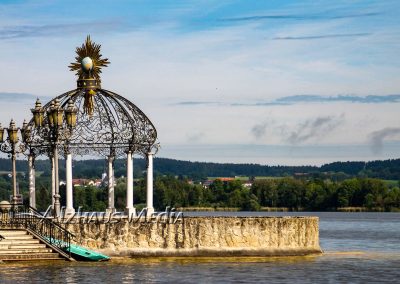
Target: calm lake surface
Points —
{"points": [[358, 248]]}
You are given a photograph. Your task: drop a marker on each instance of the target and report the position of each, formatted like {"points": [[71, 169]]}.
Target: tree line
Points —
{"points": [[387, 169], [348, 184], [291, 193], [288, 192]]}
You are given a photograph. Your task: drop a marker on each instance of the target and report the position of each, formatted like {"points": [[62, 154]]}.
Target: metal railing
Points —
{"points": [[26, 217]]}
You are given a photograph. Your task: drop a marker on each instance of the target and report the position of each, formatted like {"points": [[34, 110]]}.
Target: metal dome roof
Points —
{"points": [[106, 123]]}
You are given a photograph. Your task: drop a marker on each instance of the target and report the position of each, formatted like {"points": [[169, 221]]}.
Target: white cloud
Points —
{"points": [[156, 67]]}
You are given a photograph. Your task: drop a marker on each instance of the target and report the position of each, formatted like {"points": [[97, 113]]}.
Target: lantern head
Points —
{"points": [[12, 132], [25, 131], [50, 114], [38, 114], [1, 134], [57, 114], [70, 114]]}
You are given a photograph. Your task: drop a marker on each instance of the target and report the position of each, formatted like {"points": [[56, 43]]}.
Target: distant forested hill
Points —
{"points": [[387, 169]]}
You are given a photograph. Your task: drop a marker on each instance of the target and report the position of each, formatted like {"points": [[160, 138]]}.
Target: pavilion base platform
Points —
{"points": [[201, 236]]}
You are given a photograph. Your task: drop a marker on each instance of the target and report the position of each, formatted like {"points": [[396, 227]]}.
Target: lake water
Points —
{"points": [[358, 248]]}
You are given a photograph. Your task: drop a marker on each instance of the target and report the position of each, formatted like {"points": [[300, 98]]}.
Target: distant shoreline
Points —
{"points": [[286, 209]]}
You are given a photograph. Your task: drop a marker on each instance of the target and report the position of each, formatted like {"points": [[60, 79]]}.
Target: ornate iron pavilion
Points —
{"points": [[90, 121]]}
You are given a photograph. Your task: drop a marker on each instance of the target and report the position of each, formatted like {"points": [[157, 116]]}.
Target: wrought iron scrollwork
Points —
{"points": [[116, 126]]}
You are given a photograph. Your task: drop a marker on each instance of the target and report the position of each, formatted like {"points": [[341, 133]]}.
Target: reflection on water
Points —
{"points": [[359, 247], [326, 268]]}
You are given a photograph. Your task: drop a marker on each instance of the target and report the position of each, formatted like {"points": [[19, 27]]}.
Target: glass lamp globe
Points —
{"points": [[87, 64]]}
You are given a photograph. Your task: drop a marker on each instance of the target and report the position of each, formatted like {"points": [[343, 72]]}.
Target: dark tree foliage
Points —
{"points": [[294, 194], [340, 184], [338, 171], [350, 168], [327, 195]]}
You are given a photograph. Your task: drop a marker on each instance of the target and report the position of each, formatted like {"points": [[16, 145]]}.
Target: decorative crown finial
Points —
{"points": [[89, 61]]}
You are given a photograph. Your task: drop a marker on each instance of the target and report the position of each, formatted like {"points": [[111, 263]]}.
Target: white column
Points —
{"points": [[69, 210], [130, 210], [111, 206], [32, 189], [53, 183], [149, 184]]}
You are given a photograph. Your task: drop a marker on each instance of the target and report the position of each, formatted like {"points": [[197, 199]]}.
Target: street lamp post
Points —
{"points": [[58, 124], [12, 147]]}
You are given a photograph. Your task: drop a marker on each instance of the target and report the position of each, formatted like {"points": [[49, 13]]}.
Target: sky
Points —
{"points": [[268, 82]]}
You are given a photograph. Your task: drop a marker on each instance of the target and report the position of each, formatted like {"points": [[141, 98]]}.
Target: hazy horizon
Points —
{"points": [[283, 155]]}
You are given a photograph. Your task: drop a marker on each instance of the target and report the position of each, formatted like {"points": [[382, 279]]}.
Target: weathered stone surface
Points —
{"points": [[203, 236]]}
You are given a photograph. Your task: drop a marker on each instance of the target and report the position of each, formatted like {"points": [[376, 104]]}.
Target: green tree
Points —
{"points": [[346, 191], [266, 192], [291, 193]]}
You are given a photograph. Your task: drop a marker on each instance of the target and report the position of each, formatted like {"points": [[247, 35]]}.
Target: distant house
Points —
{"points": [[79, 182], [225, 179], [98, 182], [87, 182], [248, 184], [207, 183]]}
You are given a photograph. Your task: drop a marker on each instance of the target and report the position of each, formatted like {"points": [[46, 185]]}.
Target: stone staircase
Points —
{"points": [[21, 245]]}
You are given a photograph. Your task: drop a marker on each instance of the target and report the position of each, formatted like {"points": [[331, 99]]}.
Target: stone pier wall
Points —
{"points": [[202, 236]]}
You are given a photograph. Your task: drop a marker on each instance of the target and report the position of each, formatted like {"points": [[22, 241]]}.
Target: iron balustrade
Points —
{"points": [[26, 217]]}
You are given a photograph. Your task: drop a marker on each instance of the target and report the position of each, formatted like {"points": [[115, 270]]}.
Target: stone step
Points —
{"points": [[21, 246], [27, 257], [10, 242], [18, 237], [25, 251], [6, 233], [13, 231]]}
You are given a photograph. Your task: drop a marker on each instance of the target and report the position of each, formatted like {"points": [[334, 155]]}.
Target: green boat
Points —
{"points": [[81, 253]]}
